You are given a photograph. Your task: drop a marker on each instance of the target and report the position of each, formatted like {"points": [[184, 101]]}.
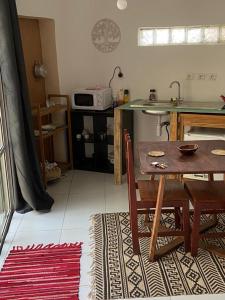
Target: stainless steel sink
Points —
{"points": [[155, 112], [147, 103], [158, 104]]}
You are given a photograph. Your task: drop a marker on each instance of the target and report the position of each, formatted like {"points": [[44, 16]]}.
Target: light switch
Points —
{"points": [[201, 76], [212, 76]]}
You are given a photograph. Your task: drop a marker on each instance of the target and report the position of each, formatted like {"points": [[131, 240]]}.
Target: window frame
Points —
{"points": [[220, 41], [6, 168]]}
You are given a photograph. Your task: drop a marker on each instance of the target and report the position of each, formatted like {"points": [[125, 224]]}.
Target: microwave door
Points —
{"points": [[84, 100]]}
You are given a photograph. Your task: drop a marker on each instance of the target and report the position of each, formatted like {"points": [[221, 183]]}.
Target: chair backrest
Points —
{"points": [[126, 136], [130, 169]]}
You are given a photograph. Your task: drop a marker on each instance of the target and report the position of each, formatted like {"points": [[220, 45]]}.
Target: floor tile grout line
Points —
{"points": [[68, 195], [17, 229], [64, 214], [13, 237]]}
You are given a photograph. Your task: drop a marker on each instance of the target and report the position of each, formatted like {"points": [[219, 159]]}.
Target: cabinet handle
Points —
{"points": [[198, 175]]}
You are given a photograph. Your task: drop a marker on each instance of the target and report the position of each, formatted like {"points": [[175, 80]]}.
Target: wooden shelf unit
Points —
{"points": [[44, 111], [47, 112], [99, 161]]}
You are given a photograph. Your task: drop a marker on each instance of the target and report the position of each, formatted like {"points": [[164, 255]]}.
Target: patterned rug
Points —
{"points": [[42, 273], [119, 274]]}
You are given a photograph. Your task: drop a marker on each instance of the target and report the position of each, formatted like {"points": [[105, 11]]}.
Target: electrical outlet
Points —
{"points": [[212, 76], [201, 76], [190, 76]]}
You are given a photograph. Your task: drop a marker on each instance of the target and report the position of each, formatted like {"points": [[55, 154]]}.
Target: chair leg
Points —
{"points": [[134, 231], [177, 218], [186, 226], [215, 219], [146, 219], [195, 236]]}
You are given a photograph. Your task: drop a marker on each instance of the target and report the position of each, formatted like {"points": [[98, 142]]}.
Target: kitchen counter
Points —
{"points": [[213, 107], [187, 113]]}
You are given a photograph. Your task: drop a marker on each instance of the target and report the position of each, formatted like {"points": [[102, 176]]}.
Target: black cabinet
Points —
{"points": [[99, 141]]}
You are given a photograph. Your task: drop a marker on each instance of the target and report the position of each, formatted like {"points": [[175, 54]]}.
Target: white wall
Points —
{"points": [[80, 64]]}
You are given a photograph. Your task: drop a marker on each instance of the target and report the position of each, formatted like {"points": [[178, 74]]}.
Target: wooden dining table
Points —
{"points": [[202, 161]]}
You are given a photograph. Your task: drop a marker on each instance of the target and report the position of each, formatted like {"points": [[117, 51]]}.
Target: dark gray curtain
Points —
{"points": [[30, 190]]}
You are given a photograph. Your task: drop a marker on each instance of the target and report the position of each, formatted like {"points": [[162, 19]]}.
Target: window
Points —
{"points": [[188, 35], [194, 35], [162, 36], [211, 34], [222, 34], [177, 35]]}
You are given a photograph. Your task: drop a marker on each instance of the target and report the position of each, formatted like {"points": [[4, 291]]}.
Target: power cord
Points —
{"points": [[166, 124], [168, 134], [120, 74]]}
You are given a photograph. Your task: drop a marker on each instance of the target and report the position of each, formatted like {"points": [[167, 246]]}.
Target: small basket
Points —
{"points": [[53, 173]]}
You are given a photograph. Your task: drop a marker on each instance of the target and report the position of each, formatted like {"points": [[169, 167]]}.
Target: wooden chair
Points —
{"points": [[175, 196], [151, 177], [207, 197]]}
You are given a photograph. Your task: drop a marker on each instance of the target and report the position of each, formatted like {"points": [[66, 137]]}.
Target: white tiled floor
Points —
{"points": [[77, 196]]}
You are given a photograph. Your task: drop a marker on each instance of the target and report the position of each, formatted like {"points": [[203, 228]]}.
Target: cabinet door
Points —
{"points": [[100, 146]]}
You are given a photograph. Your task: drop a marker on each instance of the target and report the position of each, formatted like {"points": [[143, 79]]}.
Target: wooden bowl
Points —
{"points": [[188, 149]]}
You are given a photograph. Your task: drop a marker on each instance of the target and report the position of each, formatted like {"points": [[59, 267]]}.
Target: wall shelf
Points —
{"points": [[41, 113], [44, 111]]}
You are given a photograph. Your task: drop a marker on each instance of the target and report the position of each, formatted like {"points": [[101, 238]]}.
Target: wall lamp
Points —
{"points": [[122, 4], [120, 74]]}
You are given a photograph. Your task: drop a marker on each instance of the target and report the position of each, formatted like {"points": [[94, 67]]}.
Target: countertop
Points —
{"points": [[201, 107]]}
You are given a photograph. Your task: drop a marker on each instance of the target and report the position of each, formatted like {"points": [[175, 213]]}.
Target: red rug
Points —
{"points": [[42, 273]]}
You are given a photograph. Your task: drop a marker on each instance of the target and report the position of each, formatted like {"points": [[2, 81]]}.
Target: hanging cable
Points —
{"points": [[120, 74], [167, 131], [166, 124]]}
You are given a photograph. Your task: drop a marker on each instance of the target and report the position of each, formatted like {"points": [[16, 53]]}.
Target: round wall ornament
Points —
{"points": [[106, 35]]}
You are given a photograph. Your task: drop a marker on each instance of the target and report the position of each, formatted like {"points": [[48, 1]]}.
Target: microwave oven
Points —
{"points": [[93, 99]]}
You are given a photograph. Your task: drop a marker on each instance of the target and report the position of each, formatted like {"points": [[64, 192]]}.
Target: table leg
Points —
{"points": [[156, 222], [153, 253], [211, 178], [118, 146]]}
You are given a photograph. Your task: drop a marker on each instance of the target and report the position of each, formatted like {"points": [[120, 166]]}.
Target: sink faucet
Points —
{"points": [[178, 84]]}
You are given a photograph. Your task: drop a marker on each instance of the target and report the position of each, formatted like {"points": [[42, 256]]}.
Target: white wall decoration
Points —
{"points": [[106, 35]]}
